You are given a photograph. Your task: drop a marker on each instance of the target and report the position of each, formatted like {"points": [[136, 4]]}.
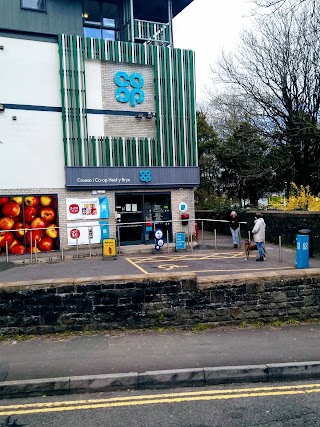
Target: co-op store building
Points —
{"points": [[97, 114]]}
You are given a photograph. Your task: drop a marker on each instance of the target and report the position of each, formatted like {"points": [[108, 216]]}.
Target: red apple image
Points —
{"points": [[48, 214], [45, 244], [6, 238], [31, 201], [29, 213], [11, 209], [34, 250], [45, 200], [6, 223], [19, 229], [35, 235], [38, 223], [55, 203], [3, 200], [52, 231], [15, 242], [17, 250], [17, 219], [17, 199]]}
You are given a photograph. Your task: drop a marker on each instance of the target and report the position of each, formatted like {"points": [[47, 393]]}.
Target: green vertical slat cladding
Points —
{"points": [[63, 101], [177, 113], [194, 115], [168, 105], [73, 98], [71, 114], [158, 118], [129, 153], [121, 152], [146, 151], [103, 50], [94, 151], [107, 149], [77, 106], [181, 152], [174, 94]]}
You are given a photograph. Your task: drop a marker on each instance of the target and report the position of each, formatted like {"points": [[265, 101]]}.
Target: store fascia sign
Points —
{"points": [[131, 177]]}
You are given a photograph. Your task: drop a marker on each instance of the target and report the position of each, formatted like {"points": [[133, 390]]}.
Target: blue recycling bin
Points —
{"points": [[302, 251]]}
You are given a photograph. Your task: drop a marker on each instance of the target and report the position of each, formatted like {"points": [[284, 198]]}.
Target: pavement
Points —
{"points": [[164, 358]]}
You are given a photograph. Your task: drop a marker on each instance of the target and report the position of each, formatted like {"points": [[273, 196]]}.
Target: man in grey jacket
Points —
{"points": [[259, 234]]}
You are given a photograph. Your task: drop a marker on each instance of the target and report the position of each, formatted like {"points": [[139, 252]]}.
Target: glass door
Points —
{"points": [[157, 211], [129, 212]]}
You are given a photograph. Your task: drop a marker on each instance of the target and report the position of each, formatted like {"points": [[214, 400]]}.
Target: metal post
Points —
{"points": [[31, 246], [119, 250], [7, 252], [202, 232], [215, 239], [35, 251], [249, 235], [239, 237], [61, 245], [77, 245], [89, 245], [168, 241], [280, 250], [191, 242]]}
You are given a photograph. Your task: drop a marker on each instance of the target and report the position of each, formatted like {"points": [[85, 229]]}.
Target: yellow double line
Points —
{"points": [[37, 408]]}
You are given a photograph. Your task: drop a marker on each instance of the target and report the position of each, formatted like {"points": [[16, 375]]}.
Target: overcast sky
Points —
{"points": [[206, 26]]}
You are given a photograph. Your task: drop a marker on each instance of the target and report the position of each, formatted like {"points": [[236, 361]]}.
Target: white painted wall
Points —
{"points": [[31, 148], [94, 97]]}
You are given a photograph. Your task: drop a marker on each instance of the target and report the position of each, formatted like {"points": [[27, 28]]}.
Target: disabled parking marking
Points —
{"points": [[136, 262], [171, 266]]}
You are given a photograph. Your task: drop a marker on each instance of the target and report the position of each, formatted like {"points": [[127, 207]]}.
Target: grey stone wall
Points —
{"points": [[39, 308]]}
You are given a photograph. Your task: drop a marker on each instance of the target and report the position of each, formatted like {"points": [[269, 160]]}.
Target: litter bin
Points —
{"points": [[307, 232], [302, 251]]}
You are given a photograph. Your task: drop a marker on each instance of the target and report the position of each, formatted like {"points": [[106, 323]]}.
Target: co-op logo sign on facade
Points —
{"points": [[129, 88]]}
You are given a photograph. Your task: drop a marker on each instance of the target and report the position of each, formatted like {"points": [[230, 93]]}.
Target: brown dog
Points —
{"points": [[251, 246]]}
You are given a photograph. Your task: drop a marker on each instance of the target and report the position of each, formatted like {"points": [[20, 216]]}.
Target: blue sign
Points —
{"points": [[180, 241], [129, 88], [145, 176]]}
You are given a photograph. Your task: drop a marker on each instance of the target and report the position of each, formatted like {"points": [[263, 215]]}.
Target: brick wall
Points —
{"points": [[145, 303], [125, 125]]}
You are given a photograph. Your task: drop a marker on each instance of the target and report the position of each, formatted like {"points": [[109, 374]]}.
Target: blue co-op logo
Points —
{"points": [[129, 88]]}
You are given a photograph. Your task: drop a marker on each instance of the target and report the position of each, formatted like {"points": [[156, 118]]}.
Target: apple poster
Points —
{"points": [[28, 224]]}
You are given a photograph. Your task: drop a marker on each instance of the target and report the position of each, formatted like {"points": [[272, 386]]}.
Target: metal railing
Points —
{"points": [[151, 31], [87, 248]]}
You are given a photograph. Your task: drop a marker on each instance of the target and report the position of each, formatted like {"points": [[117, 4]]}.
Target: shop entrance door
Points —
{"points": [[129, 212], [157, 211], [151, 209]]}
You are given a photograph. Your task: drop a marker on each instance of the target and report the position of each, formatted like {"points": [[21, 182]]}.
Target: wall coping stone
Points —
{"points": [[204, 282]]}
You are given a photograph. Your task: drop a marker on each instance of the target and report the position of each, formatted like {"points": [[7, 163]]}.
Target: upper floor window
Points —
{"points": [[39, 5], [101, 19]]}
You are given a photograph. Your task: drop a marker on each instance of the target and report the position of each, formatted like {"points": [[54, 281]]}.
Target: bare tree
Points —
{"points": [[277, 66], [276, 4]]}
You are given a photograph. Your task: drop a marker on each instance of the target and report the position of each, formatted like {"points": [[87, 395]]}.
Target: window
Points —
{"points": [[101, 19], [39, 5]]}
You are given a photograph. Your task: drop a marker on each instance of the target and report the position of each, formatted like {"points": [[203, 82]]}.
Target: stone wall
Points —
{"points": [[37, 308]]}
